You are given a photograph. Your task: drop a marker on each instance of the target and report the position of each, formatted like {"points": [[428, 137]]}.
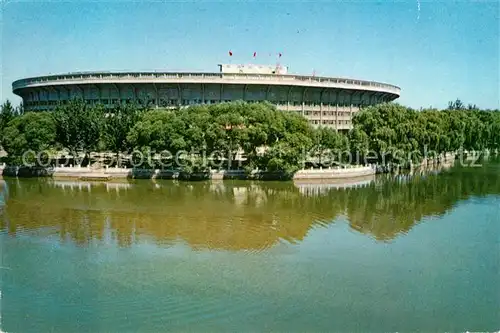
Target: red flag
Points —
{"points": [[230, 53], [254, 54]]}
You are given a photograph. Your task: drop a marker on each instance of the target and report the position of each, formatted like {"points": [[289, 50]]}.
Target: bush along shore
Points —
{"points": [[236, 140]]}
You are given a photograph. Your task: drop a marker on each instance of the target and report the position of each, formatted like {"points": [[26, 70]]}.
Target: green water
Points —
{"points": [[406, 254]]}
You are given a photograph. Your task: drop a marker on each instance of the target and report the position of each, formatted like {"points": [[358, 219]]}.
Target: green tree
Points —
{"points": [[394, 130], [456, 105], [158, 131], [359, 145], [288, 153], [7, 113], [79, 126], [329, 144], [117, 124], [33, 131]]}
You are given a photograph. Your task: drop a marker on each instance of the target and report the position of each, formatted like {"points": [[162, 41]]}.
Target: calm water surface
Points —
{"points": [[418, 253]]}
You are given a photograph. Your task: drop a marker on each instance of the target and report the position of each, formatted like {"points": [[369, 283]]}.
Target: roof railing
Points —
{"points": [[153, 75]]}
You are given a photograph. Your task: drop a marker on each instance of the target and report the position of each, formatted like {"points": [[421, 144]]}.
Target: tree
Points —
{"points": [[159, 131], [79, 126], [456, 105], [117, 124], [329, 143], [271, 140], [288, 152], [359, 144], [229, 130], [7, 113], [393, 129], [33, 131]]}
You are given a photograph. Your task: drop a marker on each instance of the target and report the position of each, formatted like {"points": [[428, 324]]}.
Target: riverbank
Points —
{"points": [[93, 173], [106, 174]]}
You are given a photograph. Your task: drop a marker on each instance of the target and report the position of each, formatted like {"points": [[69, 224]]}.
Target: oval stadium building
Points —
{"points": [[325, 101]]}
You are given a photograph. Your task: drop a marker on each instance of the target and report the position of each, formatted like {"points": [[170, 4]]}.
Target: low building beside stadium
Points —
{"points": [[324, 101]]}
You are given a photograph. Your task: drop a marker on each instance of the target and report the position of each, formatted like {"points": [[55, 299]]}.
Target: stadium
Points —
{"points": [[324, 101]]}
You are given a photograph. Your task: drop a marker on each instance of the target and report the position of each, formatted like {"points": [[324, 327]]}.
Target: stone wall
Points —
{"points": [[120, 173]]}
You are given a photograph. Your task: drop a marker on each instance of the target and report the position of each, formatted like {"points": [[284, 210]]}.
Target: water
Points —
{"points": [[403, 254]]}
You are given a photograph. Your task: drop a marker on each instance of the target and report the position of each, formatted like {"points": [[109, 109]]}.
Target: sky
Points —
{"points": [[436, 51]]}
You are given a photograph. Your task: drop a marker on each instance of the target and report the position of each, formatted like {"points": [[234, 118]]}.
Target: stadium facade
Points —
{"points": [[324, 101]]}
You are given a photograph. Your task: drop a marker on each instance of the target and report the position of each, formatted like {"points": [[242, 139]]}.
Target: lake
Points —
{"points": [[393, 253]]}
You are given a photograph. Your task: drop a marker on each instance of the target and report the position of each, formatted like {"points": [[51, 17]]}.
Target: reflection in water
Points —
{"points": [[234, 215], [322, 187], [81, 257]]}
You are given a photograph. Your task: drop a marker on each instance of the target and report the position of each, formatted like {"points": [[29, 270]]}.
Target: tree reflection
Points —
{"points": [[234, 215]]}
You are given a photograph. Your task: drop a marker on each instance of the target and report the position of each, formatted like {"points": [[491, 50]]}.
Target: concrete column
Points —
{"points": [[157, 97], [203, 93], [179, 95], [329, 108], [350, 102], [134, 89], [321, 107], [288, 99], [119, 92], [82, 91], [43, 95], [350, 107], [303, 101], [336, 111], [99, 93]]}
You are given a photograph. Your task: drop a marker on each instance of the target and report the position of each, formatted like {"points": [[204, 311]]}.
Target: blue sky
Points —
{"points": [[446, 50]]}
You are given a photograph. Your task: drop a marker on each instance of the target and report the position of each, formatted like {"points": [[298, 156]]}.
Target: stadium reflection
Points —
{"points": [[233, 215]]}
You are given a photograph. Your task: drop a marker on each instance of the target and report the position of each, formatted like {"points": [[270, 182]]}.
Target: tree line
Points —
{"points": [[394, 131], [271, 140]]}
